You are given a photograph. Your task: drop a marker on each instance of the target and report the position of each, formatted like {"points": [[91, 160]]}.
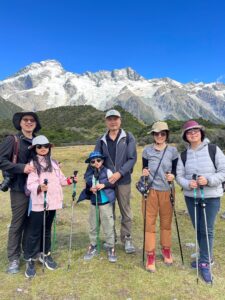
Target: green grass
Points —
{"points": [[98, 279]]}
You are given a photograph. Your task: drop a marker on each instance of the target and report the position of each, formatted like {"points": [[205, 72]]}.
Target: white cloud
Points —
{"points": [[221, 78]]}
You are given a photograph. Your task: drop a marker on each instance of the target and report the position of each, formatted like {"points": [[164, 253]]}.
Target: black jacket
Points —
{"points": [[126, 155], [16, 170]]}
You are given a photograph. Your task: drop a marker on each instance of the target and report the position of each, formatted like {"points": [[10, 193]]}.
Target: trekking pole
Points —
{"points": [[172, 200], [71, 222], [145, 199], [96, 177], [194, 177], [203, 205], [44, 226]]}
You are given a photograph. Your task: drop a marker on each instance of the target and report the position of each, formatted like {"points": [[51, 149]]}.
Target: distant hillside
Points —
{"points": [[7, 109], [69, 125]]}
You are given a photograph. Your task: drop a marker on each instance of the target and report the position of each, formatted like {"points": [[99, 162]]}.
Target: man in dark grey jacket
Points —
{"points": [[26, 123], [119, 149]]}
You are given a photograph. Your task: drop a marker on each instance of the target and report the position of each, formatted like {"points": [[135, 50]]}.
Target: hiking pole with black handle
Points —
{"points": [[72, 217], [203, 205], [44, 225], [96, 177], [172, 200], [194, 177], [145, 199]]}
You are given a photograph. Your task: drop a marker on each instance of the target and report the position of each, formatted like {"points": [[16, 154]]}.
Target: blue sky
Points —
{"points": [[183, 40]]}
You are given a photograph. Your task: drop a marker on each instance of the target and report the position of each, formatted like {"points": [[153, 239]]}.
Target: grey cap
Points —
{"points": [[112, 112], [39, 140]]}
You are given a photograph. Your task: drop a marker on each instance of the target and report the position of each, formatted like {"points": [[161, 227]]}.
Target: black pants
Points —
{"points": [[34, 241], [18, 226]]}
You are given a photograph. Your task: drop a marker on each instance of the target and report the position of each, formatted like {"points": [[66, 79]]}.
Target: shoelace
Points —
{"points": [[14, 263]]}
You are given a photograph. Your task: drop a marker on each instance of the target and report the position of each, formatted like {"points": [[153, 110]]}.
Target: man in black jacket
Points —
{"points": [[119, 149], [27, 123]]}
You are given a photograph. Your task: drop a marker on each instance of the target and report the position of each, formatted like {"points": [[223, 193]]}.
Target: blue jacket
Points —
{"points": [[126, 155], [106, 195]]}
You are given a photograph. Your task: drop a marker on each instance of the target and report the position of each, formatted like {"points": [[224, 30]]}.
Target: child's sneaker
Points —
{"points": [[92, 251], [30, 268], [112, 255], [167, 257], [150, 262], [49, 262]]}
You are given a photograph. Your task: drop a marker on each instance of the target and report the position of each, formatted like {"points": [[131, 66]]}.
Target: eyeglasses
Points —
{"points": [[92, 162], [46, 146], [26, 120], [192, 131], [162, 133]]}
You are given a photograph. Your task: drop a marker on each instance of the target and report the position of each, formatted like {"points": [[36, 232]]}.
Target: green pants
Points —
{"points": [[107, 222]]}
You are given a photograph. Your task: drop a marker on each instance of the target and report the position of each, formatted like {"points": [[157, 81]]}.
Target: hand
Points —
{"points": [[202, 180], [43, 187], [100, 186], [115, 177], [73, 179], [93, 189], [169, 177], [28, 169], [193, 184], [145, 172]]}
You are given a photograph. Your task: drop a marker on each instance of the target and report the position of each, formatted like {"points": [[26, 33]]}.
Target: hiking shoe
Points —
{"points": [[205, 273], [105, 246], [13, 267], [92, 251], [193, 264], [129, 247], [150, 262], [30, 269], [49, 262], [112, 255], [167, 257]]}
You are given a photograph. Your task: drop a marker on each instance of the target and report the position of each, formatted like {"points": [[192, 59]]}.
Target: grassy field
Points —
{"points": [[99, 279]]}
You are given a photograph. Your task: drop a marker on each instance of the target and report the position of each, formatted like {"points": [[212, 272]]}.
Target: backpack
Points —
{"points": [[212, 153]]}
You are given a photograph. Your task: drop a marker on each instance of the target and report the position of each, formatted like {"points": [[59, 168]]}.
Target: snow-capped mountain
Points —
{"points": [[46, 84]]}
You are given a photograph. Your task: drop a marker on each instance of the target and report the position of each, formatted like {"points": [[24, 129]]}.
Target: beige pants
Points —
{"points": [[158, 202]]}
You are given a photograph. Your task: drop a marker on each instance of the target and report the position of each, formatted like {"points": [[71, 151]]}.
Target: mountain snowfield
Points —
{"points": [[44, 85]]}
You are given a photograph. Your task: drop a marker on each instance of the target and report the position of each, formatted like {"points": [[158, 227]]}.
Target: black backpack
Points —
{"points": [[212, 153]]}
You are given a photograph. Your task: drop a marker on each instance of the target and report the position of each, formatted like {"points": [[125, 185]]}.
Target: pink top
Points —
{"points": [[56, 180]]}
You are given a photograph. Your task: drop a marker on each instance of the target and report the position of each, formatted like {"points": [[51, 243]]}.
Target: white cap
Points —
{"points": [[112, 112], [39, 140]]}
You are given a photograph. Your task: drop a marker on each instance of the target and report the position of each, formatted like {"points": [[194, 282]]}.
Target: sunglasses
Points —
{"points": [[162, 133], [26, 120], [92, 162], [46, 146], [193, 131]]}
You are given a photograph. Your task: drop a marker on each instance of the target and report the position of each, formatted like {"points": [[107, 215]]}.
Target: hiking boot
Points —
{"points": [[167, 257], [205, 273], [150, 262], [193, 263], [13, 267], [112, 255], [49, 262], [30, 268], [92, 251], [129, 247]]}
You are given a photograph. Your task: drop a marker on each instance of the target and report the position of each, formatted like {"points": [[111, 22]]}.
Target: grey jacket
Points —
{"points": [[199, 162], [126, 155]]}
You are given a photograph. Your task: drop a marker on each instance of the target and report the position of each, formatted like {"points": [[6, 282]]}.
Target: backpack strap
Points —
{"points": [[183, 156], [15, 149], [212, 153]]}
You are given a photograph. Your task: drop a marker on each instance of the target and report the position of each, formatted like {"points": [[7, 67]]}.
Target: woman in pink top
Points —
{"points": [[48, 179]]}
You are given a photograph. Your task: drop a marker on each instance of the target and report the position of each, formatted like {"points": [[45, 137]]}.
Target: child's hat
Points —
{"points": [[94, 154], [39, 140]]}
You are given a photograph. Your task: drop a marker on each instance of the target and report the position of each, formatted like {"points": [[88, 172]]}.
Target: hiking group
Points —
{"points": [[35, 180]]}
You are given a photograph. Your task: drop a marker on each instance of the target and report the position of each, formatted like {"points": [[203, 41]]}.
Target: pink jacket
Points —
{"points": [[56, 180]]}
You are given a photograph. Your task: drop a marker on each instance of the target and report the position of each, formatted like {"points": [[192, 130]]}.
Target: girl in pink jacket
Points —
{"points": [[48, 179]]}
